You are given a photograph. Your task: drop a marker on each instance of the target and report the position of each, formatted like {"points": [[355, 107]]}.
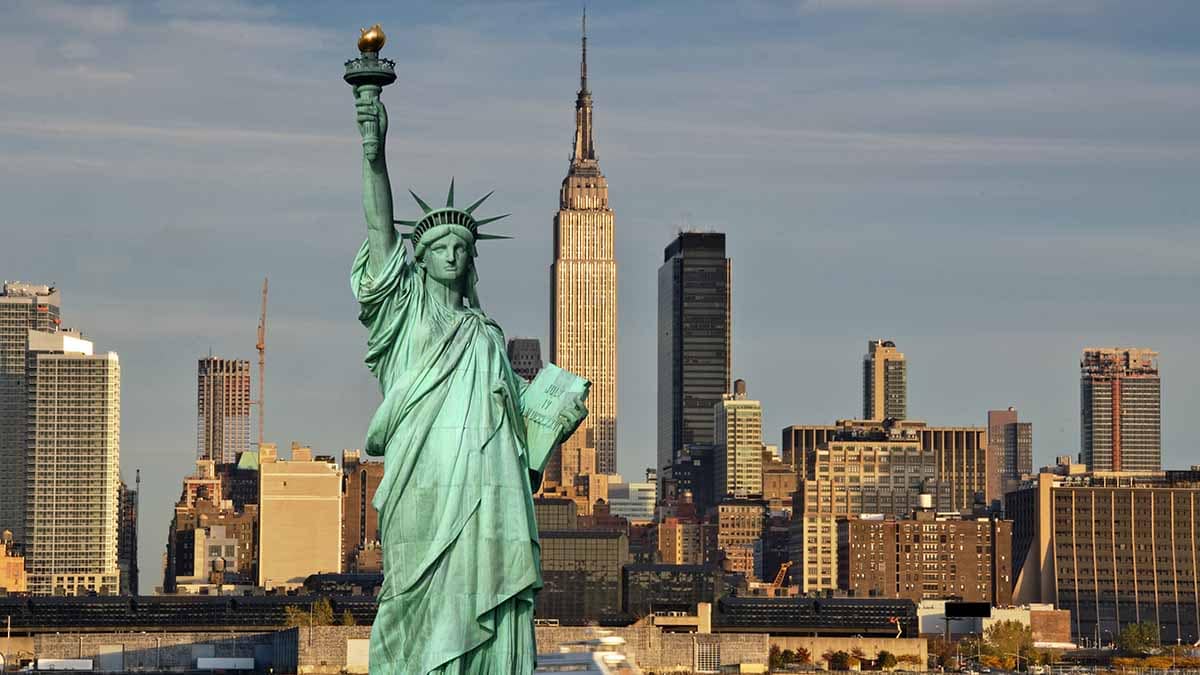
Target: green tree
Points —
{"points": [[1139, 639], [775, 658], [1007, 638], [839, 660], [886, 660], [321, 614], [348, 618], [294, 616]]}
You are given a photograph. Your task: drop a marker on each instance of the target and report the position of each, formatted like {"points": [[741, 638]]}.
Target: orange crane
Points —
{"points": [[783, 570], [262, 363]]}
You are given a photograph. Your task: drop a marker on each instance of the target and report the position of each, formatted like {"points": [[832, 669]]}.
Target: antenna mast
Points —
{"points": [[262, 364]]}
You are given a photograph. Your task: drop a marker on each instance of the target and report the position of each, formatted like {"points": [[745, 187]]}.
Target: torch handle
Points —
{"points": [[370, 136]]}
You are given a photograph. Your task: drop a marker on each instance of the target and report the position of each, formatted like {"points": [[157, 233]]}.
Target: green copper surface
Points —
{"points": [[462, 436]]}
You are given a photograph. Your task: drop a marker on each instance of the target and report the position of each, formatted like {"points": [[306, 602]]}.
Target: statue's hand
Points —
{"points": [[372, 115], [573, 416]]}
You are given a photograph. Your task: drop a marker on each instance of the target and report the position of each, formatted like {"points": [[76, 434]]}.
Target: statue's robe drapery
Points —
{"points": [[456, 518]]}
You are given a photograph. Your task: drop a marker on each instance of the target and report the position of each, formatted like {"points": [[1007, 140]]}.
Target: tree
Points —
{"points": [[839, 660], [886, 660], [1139, 639], [775, 658], [1006, 638], [348, 618], [321, 614], [803, 656], [942, 651]]}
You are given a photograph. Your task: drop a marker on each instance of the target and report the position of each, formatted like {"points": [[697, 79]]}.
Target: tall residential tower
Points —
{"points": [[222, 409], [1010, 450], [583, 288], [885, 382], [72, 480], [23, 307], [694, 328], [1120, 410]]}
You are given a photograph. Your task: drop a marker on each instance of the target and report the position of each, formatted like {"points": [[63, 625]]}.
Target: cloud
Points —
{"points": [[87, 18]]}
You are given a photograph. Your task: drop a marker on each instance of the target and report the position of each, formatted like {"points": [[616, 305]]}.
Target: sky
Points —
{"points": [[993, 184]]}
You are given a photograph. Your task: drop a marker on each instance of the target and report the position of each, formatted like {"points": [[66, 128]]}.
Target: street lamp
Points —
{"points": [[1018, 657]]}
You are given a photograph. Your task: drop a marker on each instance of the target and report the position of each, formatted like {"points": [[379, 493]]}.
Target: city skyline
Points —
{"points": [[116, 243]]}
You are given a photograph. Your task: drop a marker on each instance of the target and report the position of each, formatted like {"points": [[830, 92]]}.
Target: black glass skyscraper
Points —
{"points": [[694, 329]]}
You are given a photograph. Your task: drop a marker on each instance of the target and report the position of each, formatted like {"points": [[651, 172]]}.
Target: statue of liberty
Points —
{"points": [[455, 428]]}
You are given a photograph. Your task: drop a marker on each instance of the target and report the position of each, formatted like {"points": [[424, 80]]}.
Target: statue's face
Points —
{"points": [[446, 259]]}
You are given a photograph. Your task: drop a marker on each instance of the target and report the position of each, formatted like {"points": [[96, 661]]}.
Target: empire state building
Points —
{"points": [[583, 288]]}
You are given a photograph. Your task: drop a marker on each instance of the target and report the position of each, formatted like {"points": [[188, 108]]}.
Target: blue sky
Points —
{"points": [[994, 184]]}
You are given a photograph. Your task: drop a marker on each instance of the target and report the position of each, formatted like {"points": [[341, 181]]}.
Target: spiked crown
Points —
{"points": [[448, 216]]}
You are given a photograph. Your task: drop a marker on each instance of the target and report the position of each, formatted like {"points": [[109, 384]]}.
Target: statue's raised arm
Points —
{"points": [[377, 189]]}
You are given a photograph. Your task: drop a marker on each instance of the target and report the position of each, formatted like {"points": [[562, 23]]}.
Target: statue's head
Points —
{"points": [[444, 239], [447, 254]]}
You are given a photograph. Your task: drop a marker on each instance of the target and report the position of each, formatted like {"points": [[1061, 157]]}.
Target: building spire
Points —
{"points": [[583, 88], [583, 150]]}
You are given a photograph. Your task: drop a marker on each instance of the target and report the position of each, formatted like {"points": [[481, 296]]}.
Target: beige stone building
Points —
{"points": [[680, 541], [737, 431], [583, 290], [300, 518], [1113, 548], [741, 523], [961, 452], [851, 474], [885, 382]]}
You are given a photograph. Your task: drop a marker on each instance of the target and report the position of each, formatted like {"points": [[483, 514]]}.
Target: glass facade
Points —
{"points": [[694, 328], [581, 573]]}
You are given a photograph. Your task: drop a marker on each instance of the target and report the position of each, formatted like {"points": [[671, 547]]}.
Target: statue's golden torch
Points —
{"points": [[370, 74]]}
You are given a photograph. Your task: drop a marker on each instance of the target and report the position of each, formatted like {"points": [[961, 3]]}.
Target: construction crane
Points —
{"points": [[783, 570], [262, 364]]}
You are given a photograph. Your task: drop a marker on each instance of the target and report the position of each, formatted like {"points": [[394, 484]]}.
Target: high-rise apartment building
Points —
{"points": [[360, 528], [525, 354], [926, 557], [853, 473], [1010, 451], [583, 288], [885, 382], [222, 409], [1120, 409], [127, 535], [300, 519], [1113, 548], [737, 427], [961, 453], [741, 524], [694, 337], [72, 465], [23, 307]]}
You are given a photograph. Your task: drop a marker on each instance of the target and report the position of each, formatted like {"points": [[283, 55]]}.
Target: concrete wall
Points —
{"points": [[658, 652], [158, 651], [817, 646], [342, 649], [324, 649]]}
